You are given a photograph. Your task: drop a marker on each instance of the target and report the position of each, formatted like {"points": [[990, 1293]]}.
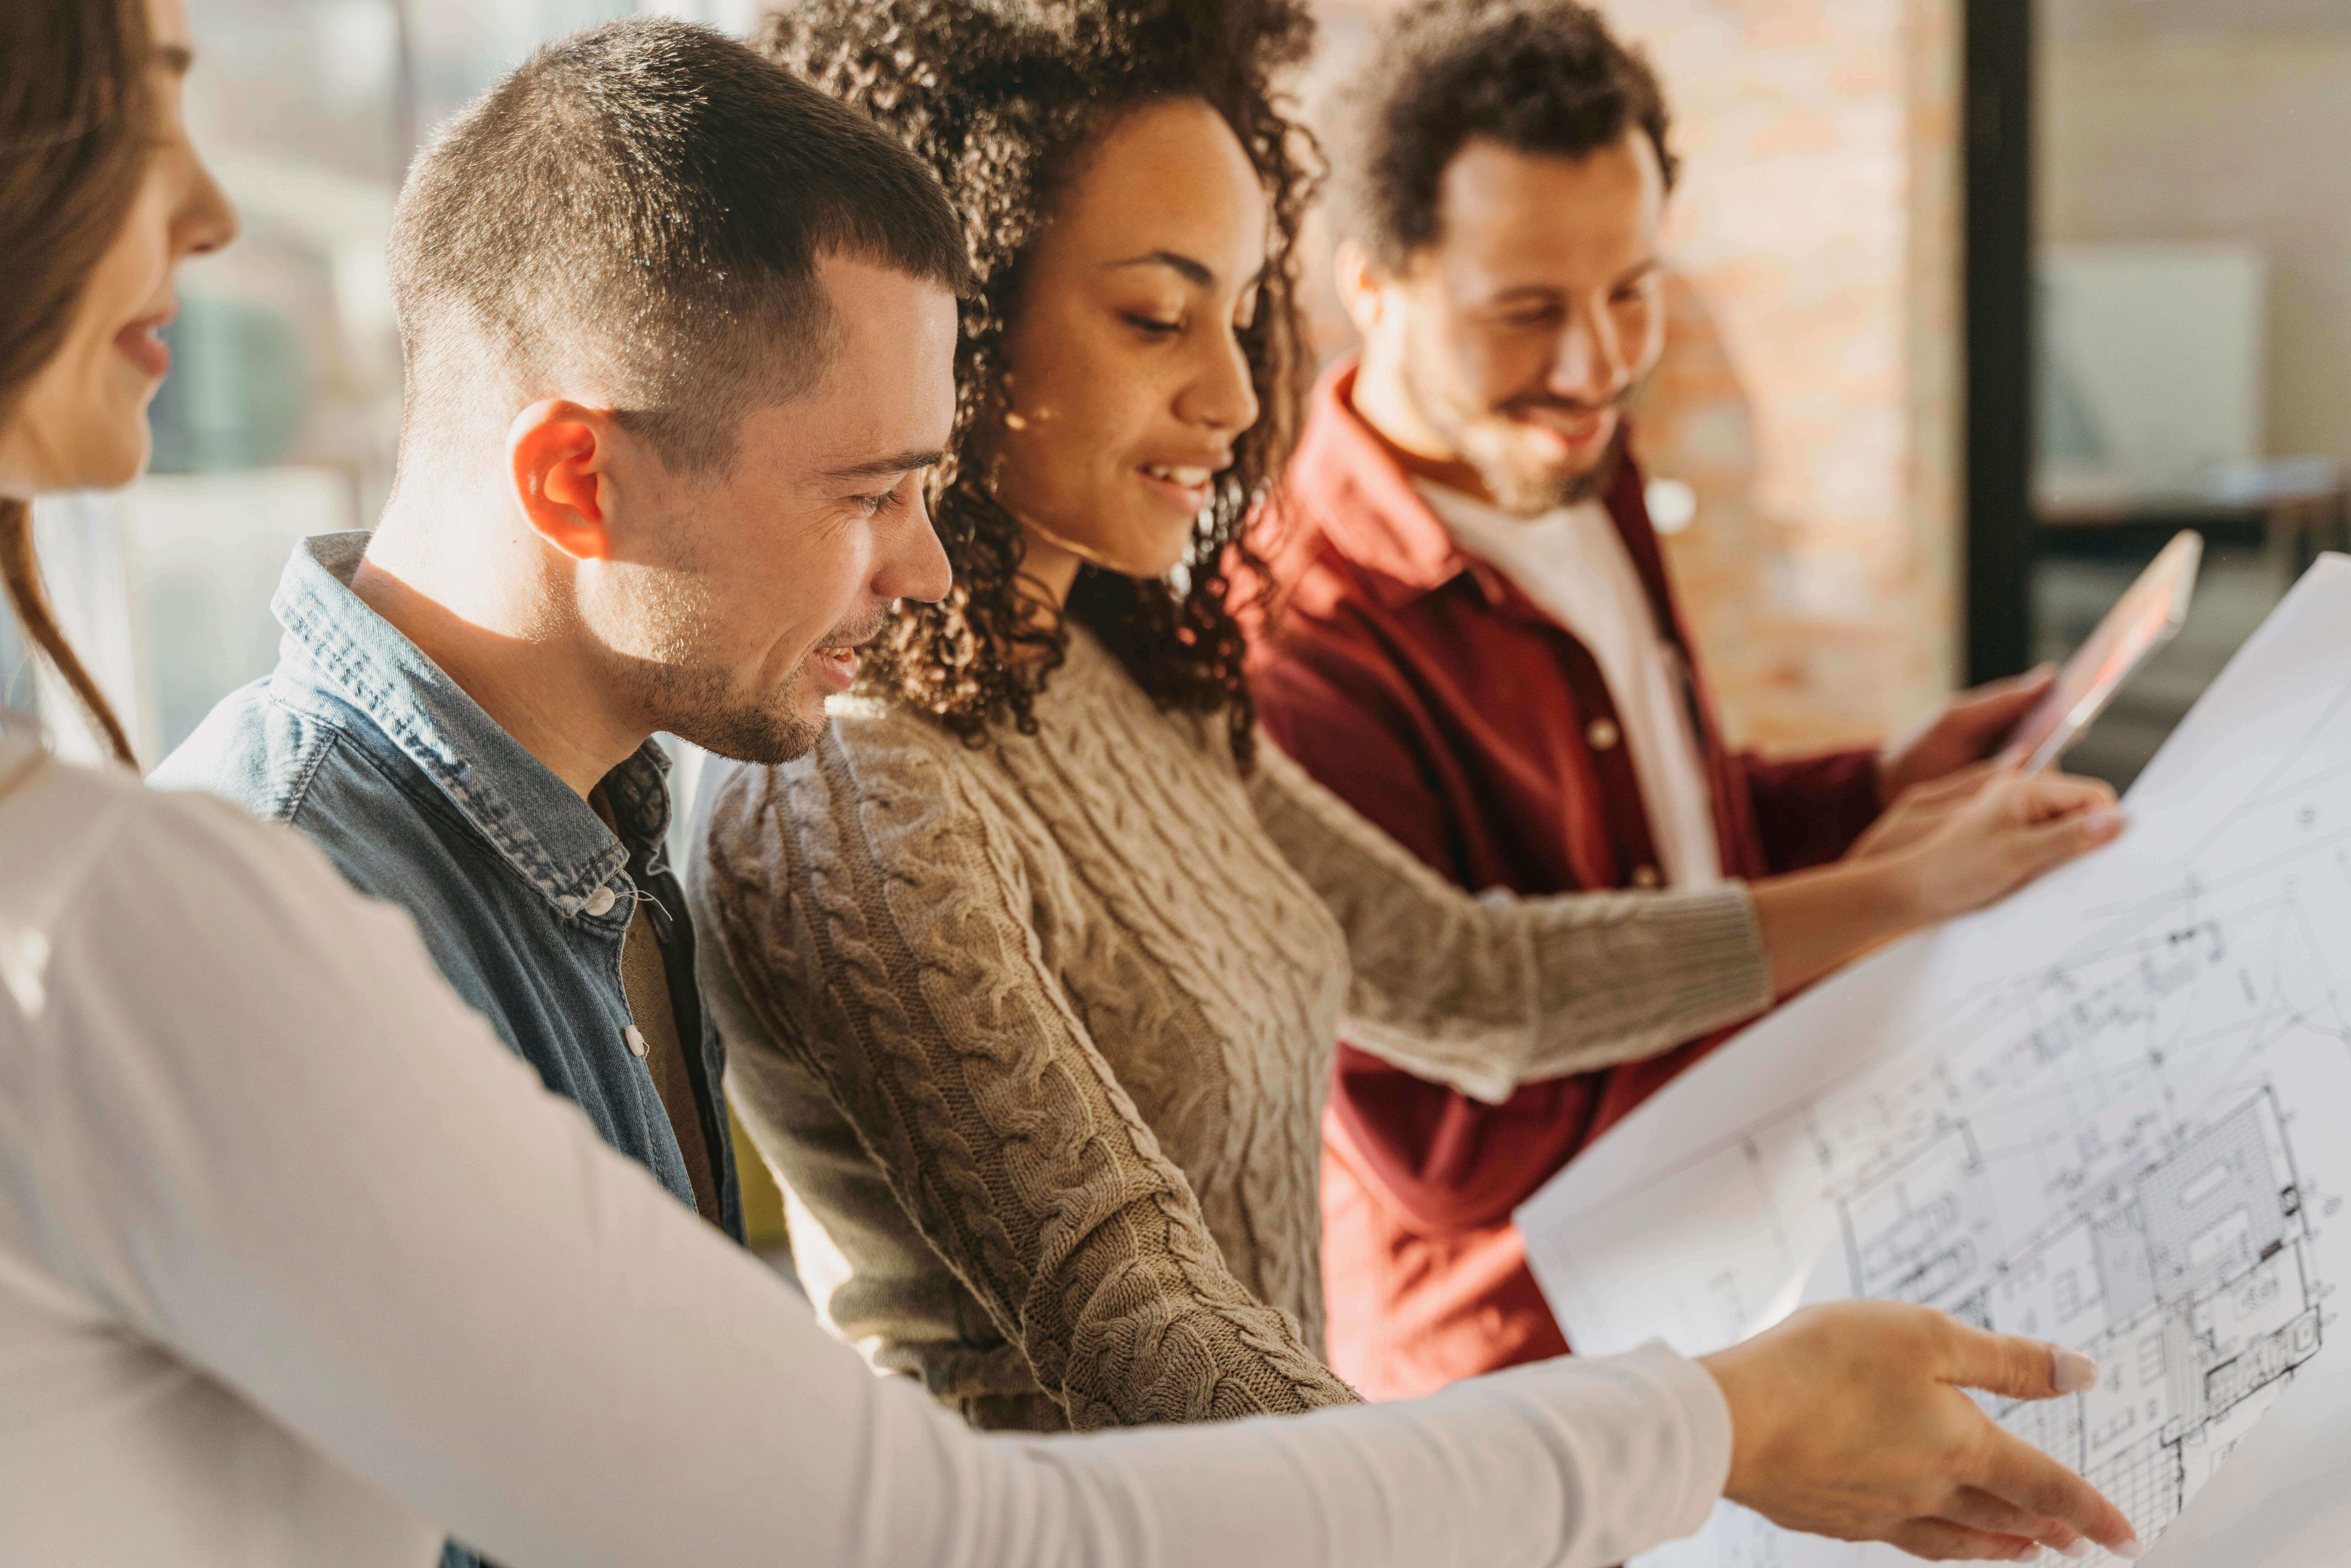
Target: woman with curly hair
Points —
{"points": [[1032, 972]]}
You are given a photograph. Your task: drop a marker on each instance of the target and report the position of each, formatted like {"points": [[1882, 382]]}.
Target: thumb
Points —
{"points": [[2015, 1368], [2008, 699]]}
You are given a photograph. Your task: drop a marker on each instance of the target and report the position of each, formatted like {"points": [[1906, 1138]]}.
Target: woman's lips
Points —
{"points": [[1183, 486], [141, 344]]}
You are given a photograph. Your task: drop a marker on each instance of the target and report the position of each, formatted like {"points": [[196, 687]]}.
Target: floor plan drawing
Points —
{"points": [[2114, 1113], [2189, 1281]]}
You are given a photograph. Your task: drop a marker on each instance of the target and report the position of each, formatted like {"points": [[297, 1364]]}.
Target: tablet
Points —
{"points": [[2143, 620]]}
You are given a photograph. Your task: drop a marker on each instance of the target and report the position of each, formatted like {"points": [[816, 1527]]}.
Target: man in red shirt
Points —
{"points": [[1477, 646]]}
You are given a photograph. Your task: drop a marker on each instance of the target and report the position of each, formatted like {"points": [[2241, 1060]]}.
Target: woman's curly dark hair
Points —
{"points": [[1002, 98]]}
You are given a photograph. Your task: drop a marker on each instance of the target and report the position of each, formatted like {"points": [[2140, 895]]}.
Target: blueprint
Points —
{"points": [[2114, 1112]]}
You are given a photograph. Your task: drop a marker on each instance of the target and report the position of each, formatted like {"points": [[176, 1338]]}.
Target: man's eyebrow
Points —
{"points": [[1634, 273], [896, 462], [1195, 272], [177, 58]]}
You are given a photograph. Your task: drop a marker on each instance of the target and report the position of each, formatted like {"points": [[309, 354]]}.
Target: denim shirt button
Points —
{"points": [[635, 1037], [599, 902]]}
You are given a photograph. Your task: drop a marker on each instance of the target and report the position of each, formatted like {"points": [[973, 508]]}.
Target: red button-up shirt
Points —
{"points": [[1429, 692]]}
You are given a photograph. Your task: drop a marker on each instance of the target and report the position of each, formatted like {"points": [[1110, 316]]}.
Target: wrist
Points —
{"points": [[1895, 889], [1907, 888], [1743, 1399]]}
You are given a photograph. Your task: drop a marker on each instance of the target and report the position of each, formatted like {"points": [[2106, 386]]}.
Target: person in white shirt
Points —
{"points": [[246, 1132]]}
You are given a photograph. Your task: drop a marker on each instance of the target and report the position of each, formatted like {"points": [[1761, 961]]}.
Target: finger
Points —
{"points": [[1979, 1510], [2013, 1366], [1940, 1541], [2066, 1542], [2062, 794], [1960, 784], [2025, 1478], [2005, 701], [2052, 843]]}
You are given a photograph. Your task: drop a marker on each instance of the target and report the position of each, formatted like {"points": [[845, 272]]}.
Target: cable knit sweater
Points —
{"points": [[1037, 1036]]}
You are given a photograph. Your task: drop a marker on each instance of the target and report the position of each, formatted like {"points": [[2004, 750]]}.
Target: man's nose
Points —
{"points": [[916, 564], [1589, 366]]}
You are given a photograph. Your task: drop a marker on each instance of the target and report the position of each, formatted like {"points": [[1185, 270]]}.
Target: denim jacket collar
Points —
{"points": [[554, 839]]}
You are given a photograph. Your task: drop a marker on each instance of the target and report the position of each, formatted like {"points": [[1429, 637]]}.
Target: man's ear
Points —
{"points": [[559, 455], [1358, 283]]}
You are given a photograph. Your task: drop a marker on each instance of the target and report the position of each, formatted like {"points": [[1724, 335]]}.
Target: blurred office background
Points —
{"points": [[1975, 301], [2191, 207]]}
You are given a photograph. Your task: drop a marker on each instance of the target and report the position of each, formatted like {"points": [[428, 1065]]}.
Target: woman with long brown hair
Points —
{"points": [[1032, 974], [245, 1136], [80, 336]]}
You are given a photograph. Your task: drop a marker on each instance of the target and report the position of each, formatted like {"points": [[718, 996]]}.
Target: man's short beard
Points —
{"points": [[1515, 491], [688, 692], [701, 704], [1525, 494]]}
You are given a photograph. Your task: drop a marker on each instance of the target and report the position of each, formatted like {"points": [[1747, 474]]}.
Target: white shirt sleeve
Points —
{"points": [[264, 1135]]}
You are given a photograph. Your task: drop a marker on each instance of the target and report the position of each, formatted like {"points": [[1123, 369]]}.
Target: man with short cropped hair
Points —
{"points": [[680, 332], [1478, 647]]}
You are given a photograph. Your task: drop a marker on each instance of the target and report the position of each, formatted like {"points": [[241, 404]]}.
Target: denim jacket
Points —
{"points": [[522, 894], [420, 799]]}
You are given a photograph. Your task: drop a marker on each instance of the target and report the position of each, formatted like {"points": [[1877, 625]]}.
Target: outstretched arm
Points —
{"points": [[250, 1125], [1484, 992], [1481, 992]]}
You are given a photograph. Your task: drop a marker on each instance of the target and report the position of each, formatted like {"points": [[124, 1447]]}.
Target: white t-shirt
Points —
{"points": [[298, 1265], [1572, 563]]}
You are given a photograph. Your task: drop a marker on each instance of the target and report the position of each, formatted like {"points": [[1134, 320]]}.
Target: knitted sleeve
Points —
{"points": [[874, 913], [1485, 991]]}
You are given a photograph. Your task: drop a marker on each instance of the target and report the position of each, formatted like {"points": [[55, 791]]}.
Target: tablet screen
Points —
{"points": [[2143, 620]]}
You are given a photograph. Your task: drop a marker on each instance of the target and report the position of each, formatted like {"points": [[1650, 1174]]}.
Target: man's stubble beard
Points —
{"points": [[1514, 489], [700, 702], [695, 696]]}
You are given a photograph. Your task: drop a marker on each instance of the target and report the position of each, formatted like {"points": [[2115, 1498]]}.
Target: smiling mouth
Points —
{"points": [[836, 662], [1188, 486], [836, 666], [141, 343], [1574, 427]]}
